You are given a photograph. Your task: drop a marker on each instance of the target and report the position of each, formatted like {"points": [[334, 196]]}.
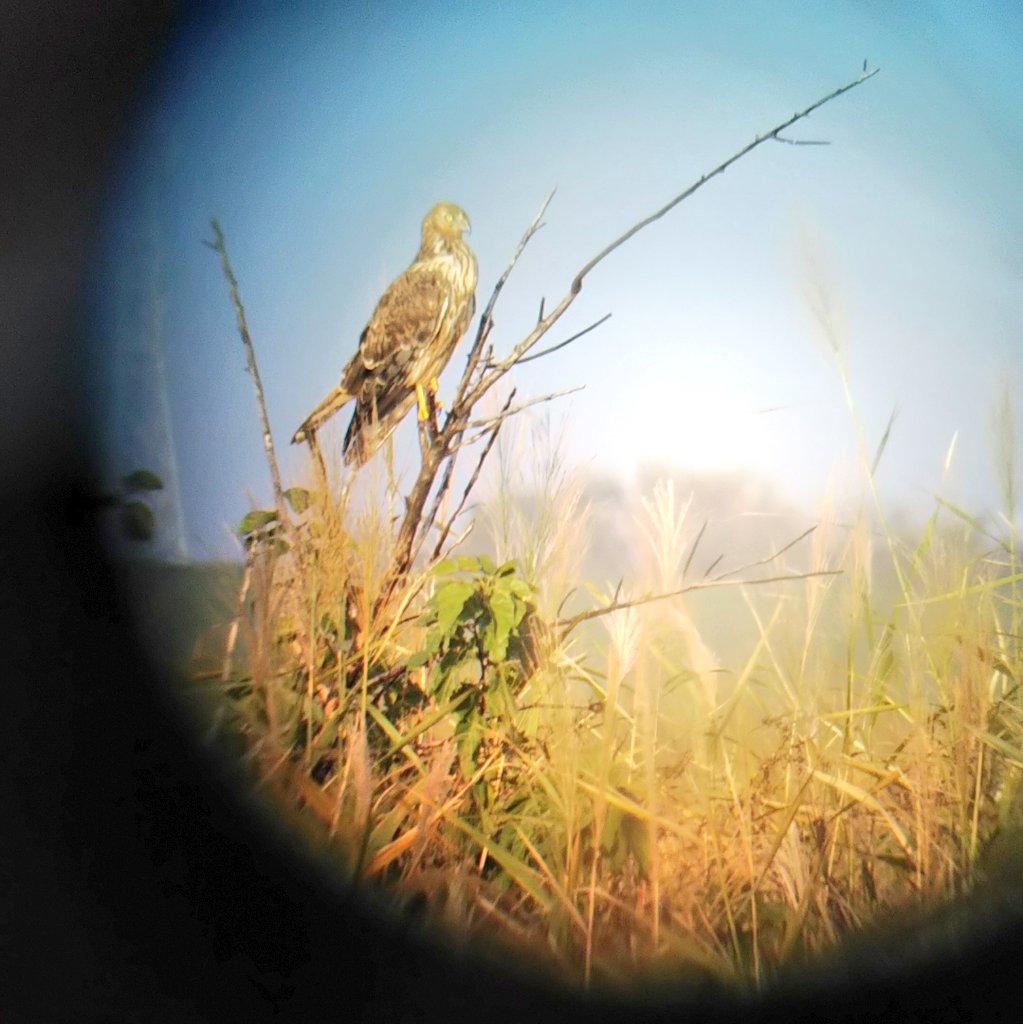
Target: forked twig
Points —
{"points": [[567, 625], [764, 561], [509, 411], [568, 341]]}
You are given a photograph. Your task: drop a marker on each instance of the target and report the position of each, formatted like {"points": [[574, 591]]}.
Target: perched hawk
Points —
{"points": [[409, 338]]}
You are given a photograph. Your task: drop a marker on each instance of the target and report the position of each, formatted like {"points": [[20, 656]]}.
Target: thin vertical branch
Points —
{"points": [[494, 431], [220, 247]]}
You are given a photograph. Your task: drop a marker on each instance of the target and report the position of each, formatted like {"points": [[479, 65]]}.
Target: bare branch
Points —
{"points": [[720, 169], [803, 142], [488, 380], [499, 421], [283, 516], [449, 472], [770, 558], [459, 538], [561, 344], [220, 247], [567, 625], [506, 412], [724, 579], [487, 319]]}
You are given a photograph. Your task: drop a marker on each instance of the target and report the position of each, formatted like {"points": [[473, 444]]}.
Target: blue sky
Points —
{"points": [[319, 134]]}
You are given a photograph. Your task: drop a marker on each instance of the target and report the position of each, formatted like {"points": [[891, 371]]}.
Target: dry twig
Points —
{"points": [[567, 625], [220, 247]]}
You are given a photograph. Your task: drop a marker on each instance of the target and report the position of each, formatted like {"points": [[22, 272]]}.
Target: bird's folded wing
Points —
{"points": [[407, 320]]}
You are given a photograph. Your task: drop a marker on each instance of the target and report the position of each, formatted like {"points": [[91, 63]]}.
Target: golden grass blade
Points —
{"points": [[391, 852], [559, 893], [523, 875], [861, 796]]}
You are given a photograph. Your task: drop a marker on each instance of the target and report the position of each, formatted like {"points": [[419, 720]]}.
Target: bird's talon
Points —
{"points": [[421, 404]]}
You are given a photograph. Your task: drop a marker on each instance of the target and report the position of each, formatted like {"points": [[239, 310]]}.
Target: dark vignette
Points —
{"points": [[133, 885]]}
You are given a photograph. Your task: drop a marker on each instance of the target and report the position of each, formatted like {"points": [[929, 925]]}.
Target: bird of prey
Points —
{"points": [[408, 341]]}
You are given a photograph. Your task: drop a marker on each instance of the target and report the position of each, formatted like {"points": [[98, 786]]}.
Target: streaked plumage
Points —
{"points": [[409, 339]]}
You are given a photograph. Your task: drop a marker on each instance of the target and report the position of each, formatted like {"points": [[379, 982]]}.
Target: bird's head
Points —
{"points": [[446, 220]]}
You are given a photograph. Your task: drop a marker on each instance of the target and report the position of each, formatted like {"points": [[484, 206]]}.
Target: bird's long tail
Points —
{"points": [[330, 405], [370, 428]]}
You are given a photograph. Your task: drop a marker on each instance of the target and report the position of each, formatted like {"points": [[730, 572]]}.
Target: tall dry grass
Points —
{"points": [[632, 803]]}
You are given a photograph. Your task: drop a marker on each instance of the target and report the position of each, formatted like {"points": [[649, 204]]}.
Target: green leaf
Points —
{"points": [[448, 603], [502, 607], [453, 660], [298, 498], [137, 521], [257, 519], [500, 699], [486, 564], [142, 480], [463, 563], [521, 873], [520, 588], [419, 659], [433, 642], [468, 734]]}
